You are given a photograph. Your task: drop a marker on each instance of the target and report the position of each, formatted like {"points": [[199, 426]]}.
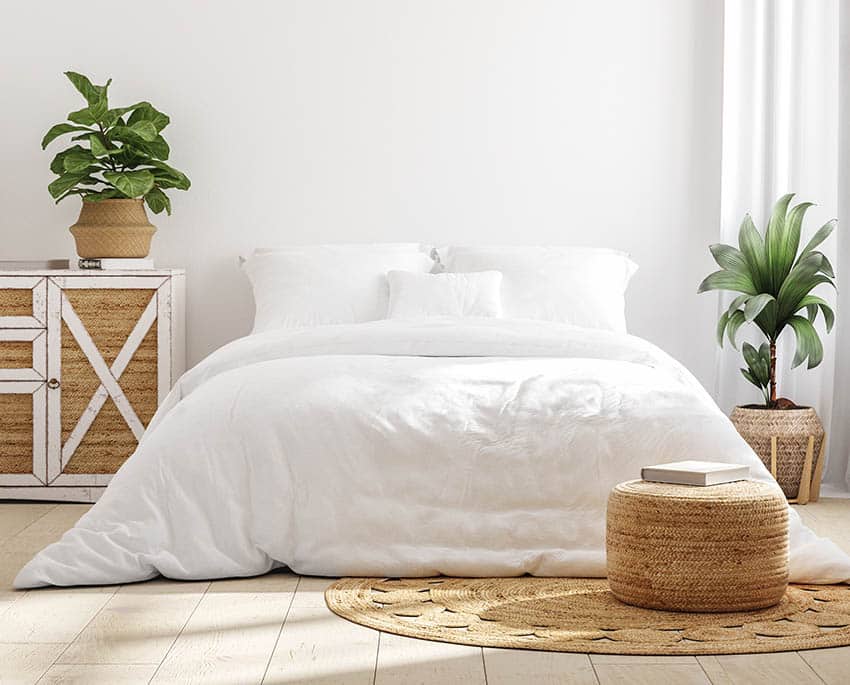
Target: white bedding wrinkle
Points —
{"points": [[471, 447]]}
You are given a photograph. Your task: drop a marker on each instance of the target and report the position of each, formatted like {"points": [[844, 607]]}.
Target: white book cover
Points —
{"points": [[695, 472]]}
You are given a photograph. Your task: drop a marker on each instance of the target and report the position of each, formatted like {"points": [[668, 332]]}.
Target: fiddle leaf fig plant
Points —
{"points": [[774, 279], [119, 152]]}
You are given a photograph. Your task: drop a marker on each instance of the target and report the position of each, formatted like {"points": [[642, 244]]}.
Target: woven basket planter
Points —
{"points": [[113, 228], [791, 444], [705, 549]]}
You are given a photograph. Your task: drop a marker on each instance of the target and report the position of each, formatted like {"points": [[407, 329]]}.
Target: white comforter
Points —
{"points": [[472, 448]]}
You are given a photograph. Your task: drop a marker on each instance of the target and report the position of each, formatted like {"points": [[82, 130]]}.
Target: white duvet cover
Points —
{"points": [[396, 448]]}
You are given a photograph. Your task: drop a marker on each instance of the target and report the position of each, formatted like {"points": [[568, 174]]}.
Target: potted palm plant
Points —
{"points": [[774, 280], [117, 165]]}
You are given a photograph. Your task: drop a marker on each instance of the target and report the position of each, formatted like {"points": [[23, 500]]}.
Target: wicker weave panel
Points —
{"points": [[79, 382], [16, 433], [139, 380], [109, 315], [15, 354], [15, 302], [105, 446]]}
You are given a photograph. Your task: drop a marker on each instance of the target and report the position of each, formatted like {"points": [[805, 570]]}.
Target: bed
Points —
{"points": [[409, 446]]}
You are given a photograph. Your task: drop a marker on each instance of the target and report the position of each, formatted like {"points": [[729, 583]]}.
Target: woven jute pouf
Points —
{"points": [[581, 615], [687, 548]]}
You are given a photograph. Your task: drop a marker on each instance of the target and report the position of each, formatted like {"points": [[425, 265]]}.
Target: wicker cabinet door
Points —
{"points": [[105, 372]]}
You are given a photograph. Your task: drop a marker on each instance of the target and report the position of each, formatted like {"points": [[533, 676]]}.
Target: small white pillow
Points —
{"points": [[414, 295]]}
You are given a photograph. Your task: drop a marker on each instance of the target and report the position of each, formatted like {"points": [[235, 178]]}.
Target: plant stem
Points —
{"points": [[772, 402]]}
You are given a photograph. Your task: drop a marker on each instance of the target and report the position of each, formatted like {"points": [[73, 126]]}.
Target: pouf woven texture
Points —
{"points": [[703, 549]]}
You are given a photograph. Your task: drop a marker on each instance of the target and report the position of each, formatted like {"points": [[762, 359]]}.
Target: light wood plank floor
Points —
{"points": [[276, 629]]}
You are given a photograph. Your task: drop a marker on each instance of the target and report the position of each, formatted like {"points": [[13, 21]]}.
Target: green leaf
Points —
{"points": [[808, 343], [145, 130], [738, 302], [736, 320], [750, 353], [157, 148], [57, 166], [113, 115], [167, 176], [65, 182], [812, 303], [728, 280], [825, 265], [755, 305], [774, 237], [131, 183], [88, 116], [98, 149], [87, 89], [752, 247], [59, 130], [721, 327], [799, 282], [828, 316], [822, 234], [791, 242], [130, 158], [749, 376], [105, 194], [78, 160], [729, 258], [157, 201], [147, 112], [83, 116]]}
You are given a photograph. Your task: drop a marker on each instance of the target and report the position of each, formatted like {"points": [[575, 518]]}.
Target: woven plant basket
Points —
{"points": [[791, 444], [113, 228]]}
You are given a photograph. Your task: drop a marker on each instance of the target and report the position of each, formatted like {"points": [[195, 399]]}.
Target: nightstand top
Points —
{"points": [[61, 267], [25, 271]]}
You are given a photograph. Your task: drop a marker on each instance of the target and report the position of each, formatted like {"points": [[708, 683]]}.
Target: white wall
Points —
{"points": [[470, 121]]}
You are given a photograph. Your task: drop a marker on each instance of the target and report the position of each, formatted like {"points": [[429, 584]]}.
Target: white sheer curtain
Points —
{"points": [[781, 134]]}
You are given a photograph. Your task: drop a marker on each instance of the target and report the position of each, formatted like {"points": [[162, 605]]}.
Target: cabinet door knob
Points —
{"points": [[53, 384]]}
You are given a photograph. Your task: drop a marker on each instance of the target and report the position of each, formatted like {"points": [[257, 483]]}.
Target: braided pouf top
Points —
{"points": [[688, 548]]}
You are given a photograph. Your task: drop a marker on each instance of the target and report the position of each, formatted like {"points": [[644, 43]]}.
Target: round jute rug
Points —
{"points": [[581, 615]]}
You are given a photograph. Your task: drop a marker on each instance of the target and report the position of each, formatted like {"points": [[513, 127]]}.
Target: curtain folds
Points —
{"points": [[781, 134]]}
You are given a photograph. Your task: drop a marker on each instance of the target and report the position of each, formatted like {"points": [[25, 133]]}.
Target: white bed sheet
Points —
{"points": [[402, 448]]}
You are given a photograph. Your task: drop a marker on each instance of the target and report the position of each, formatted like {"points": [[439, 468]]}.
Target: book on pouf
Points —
{"points": [[695, 473]]}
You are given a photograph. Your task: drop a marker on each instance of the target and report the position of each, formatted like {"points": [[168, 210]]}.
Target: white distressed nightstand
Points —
{"points": [[85, 359]]}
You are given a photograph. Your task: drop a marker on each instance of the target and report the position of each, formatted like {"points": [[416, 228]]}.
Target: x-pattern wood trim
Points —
{"points": [[108, 375]]}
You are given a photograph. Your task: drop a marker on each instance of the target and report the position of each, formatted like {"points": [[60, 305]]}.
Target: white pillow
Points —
{"points": [[313, 285], [414, 295], [582, 286]]}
